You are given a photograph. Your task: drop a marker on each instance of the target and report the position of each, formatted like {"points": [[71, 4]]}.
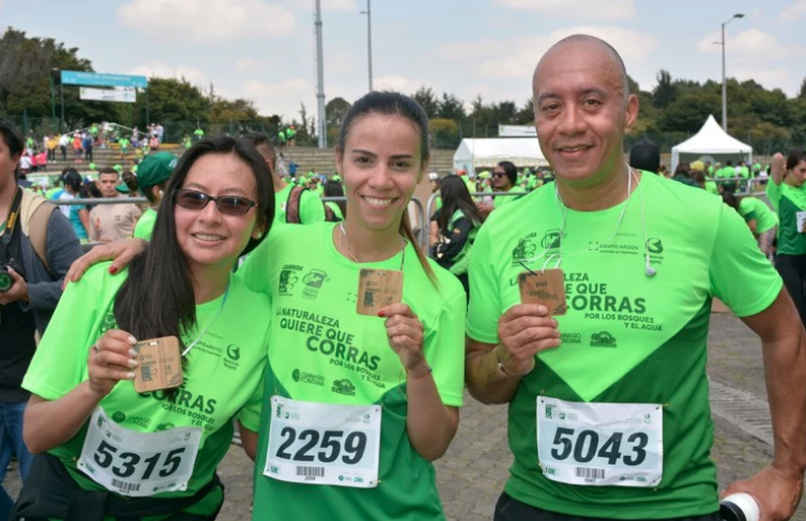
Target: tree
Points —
{"points": [[802, 93], [427, 99], [336, 109], [526, 115], [450, 107], [665, 92]]}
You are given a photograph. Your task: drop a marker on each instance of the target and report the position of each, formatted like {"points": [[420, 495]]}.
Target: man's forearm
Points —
{"points": [[785, 374], [485, 380]]}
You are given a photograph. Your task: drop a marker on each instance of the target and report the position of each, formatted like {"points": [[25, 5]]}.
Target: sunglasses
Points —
{"points": [[226, 204], [498, 174]]}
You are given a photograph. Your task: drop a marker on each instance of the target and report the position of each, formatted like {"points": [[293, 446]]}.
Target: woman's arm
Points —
{"points": [[248, 441], [777, 168], [50, 423]]}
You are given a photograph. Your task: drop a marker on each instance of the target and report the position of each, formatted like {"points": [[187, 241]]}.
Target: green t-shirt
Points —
{"points": [[744, 172], [336, 209], [650, 333], [499, 201], [145, 225], [711, 186], [124, 143], [53, 191], [223, 376], [332, 355], [310, 207], [753, 208], [788, 202], [198, 133], [437, 203]]}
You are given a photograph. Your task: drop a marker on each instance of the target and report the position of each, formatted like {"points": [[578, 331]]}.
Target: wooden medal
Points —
{"points": [[546, 287], [378, 289], [159, 364]]}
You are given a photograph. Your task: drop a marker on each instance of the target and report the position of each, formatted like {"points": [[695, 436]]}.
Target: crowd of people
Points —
{"points": [[341, 351]]}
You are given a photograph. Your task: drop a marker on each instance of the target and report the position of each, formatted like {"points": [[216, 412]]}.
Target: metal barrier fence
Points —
{"points": [[420, 231]]}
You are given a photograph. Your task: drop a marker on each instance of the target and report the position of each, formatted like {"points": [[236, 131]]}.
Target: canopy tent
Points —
{"points": [[711, 141], [473, 153]]}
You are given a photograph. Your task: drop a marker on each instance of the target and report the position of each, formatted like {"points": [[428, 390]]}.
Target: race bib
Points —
{"points": [[324, 444], [138, 464], [801, 217], [615, 444]]}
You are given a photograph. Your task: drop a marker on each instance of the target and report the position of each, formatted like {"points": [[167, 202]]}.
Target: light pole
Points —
{"points": [[368, 12], [52, 100], [724, 80]]}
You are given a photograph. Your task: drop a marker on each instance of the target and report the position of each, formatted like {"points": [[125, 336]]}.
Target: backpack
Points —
{"points": [[35, 212], [330, 215]]}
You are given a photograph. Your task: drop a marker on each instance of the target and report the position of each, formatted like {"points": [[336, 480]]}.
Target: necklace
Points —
{"points": [[200, 335], [355, 259]]}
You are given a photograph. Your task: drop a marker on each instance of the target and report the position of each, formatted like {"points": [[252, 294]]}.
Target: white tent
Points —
{"points": [[714, 142], [474, 153], [517, 131]]}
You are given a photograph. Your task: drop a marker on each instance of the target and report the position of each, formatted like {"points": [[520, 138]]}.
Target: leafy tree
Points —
{"points": [[450, 107], [336, 109], [665, 92], [427, 99], [802, 92]]}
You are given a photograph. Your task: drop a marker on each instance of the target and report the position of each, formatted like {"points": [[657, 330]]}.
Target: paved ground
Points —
{"points": [[480, 446]]}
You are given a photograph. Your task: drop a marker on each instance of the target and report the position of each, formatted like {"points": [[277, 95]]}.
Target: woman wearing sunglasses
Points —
{"points": [[364, 386], [106, 450]]}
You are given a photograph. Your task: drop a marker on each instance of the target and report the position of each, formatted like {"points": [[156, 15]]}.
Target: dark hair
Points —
{"points": [[72, 179], [12, 138], [393, 104], [455, 196], [699, 178], [162, 269], [108, 170], [682, 168], [730, 200], [130, 180], [728, 163], [511, 171], [795, 156], [645, 155], [261, 138], [334, 189]]}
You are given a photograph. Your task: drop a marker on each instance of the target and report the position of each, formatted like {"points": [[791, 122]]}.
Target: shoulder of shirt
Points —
{"points": [[97, 278], [679, 198], [248, 298], [534, 200], [296, 234]]}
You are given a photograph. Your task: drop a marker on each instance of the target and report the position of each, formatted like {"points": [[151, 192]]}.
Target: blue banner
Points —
{"points": [[94, 79]]}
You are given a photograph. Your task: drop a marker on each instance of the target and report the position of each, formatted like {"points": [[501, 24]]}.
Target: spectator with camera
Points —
{"points": [[37, 246]]}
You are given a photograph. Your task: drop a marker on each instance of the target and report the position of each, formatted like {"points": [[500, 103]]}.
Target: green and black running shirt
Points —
{"points": [[788, 201], [322, 352], [627, 338]]}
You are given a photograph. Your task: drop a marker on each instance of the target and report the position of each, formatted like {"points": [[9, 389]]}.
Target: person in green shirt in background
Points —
{"points": [[761, 220], [131, 455], [294, 204], [335, 210], [709, 185], [197, 134], [152, 175], [787, 194], [505, 177]]}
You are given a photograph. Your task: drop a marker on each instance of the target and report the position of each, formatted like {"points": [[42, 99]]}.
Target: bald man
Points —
{"points": [[589, 307]]}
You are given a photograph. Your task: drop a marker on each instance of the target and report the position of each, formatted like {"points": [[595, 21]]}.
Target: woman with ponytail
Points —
{"points": [[360, 405]]}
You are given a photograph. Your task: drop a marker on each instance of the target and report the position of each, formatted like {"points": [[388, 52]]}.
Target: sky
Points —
{"points": [[264, 50]]}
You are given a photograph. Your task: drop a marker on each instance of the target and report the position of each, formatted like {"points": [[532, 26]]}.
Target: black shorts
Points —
{"points": [[509, 509]]}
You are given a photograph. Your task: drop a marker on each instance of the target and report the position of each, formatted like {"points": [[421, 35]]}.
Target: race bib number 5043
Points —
{"points": [[138, 464], [325, 444], [600, 444]]}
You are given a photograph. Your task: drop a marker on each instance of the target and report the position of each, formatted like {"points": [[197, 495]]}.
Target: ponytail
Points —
{"points": [[406, 231]]}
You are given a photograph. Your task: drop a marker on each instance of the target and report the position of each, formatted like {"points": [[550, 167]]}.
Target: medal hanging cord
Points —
{"points": [[561, 204], [199, 337], [403, 241]]}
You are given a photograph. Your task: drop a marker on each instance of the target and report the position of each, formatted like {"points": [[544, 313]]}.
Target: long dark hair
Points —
{"points": [[334, 189], [394, 104], [158, 298], [455, 196]]}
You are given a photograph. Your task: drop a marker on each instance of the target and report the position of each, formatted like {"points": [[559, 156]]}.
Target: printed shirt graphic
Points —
{"points": [[223, 378], [788, 201], [310, 207], [325, 352], [627, 337]]}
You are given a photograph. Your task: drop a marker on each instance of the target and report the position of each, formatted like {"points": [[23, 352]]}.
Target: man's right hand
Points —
{"points": [[120, 252], [525, 330]]}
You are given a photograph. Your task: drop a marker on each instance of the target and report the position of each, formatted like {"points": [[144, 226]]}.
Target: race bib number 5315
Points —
{"points": [[138, 464], [324, 444], [583, 443]]}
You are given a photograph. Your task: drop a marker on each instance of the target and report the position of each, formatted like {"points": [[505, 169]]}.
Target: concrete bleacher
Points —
{"points": [[307, 158]]}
